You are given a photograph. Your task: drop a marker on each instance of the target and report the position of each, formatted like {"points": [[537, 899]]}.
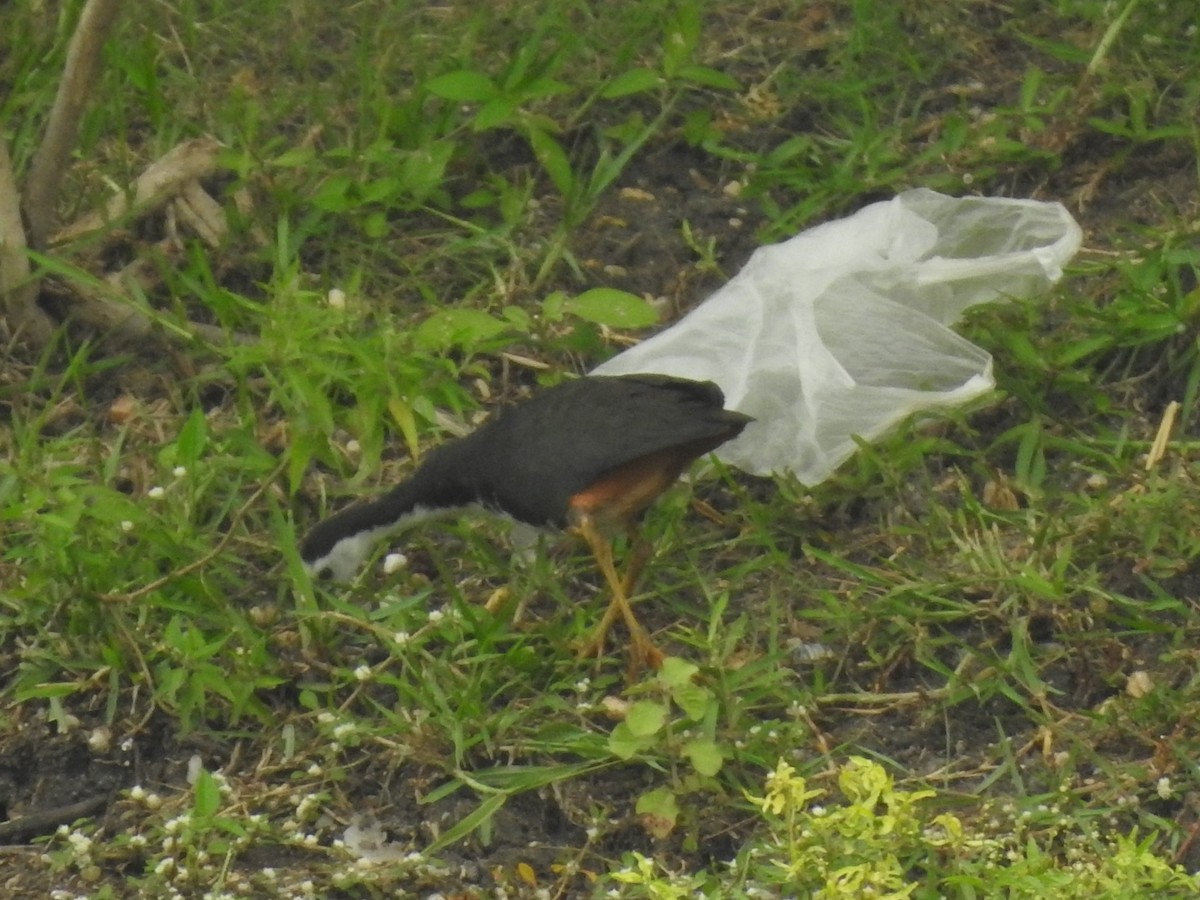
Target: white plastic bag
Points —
{"points": [[842, 330]]}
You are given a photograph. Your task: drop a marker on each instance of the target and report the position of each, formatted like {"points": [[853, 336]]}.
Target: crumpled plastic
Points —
{"points": [[843, 331]]}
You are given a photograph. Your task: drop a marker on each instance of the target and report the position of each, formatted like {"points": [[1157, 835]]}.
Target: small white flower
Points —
{"points": [[1164, 788], [126, 526], [80, 842], [156, 493], [435, 616], [314, 770], [179, 471], [363, 672], [353, 447], [175, 825], [336, 298], [401, 637], [394, 562]]}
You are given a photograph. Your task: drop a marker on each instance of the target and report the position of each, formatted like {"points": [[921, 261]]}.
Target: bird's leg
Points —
{"points": [[642, 649], [639, 554]]}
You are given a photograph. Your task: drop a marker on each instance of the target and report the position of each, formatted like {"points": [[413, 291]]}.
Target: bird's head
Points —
{"points": [[337, 558]]}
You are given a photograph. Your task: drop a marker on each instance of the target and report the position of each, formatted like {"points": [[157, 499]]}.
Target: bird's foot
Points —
{"points": [[592, 648], [643, 654]]}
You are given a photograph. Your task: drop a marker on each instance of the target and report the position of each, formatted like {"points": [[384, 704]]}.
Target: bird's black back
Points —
{"points": [[535, 456]]}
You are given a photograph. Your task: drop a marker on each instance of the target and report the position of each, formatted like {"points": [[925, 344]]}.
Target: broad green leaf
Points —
{"points": [[704, 755], [207, 795], [494, 113], [659, 811], [623, 744], [424, 170], [379, 190], [336, 194], [297, 156], [645, 717], [193, 437], [543, 87], [553, 306], [553, 159], [519, 317], [47, 689], [635, 81], [693, 700], [479, 199], [676, 671], [375, 225], [457, 328], [707, 77], [611, 307], [463, 86]]}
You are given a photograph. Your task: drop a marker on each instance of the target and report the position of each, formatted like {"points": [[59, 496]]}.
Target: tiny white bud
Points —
{"points": [[394, 562], [156, 493], [1139, 684], [336, 298], [100, 740]]}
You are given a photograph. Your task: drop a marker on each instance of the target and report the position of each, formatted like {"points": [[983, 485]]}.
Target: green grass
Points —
{"points": [[998, 608]]}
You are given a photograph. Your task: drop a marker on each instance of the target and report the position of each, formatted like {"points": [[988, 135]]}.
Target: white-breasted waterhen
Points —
{"points": [[589, 455]]}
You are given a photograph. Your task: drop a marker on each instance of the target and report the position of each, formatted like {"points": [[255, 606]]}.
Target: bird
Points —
{"points": [[589, 456]]}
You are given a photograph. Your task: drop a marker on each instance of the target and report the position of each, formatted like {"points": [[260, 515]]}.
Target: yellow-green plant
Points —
{"points": [[885, 843]]}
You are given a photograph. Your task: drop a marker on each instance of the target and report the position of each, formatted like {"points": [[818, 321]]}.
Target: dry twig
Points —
{"points": [[18, 291], [79, 75], [163, 181]]}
